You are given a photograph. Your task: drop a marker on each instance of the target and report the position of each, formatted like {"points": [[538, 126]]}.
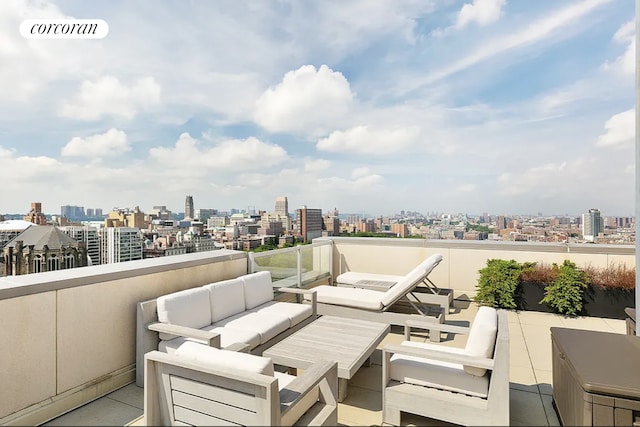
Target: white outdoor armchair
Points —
{"points": [[201, 385]]}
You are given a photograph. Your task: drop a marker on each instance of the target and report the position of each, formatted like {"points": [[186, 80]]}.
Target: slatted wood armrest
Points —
{"points": [[298, 291], [323, 374], [211, 338], [433, 328], [475, 361]]}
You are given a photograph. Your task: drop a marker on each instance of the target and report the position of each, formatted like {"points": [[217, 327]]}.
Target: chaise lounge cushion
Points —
{"points": [[482, 337], [257, 289], [227, 298], [437, 374], [408, 282], [225, 359], [190, 307], [351, 297], [296, 313], [352, 277]]}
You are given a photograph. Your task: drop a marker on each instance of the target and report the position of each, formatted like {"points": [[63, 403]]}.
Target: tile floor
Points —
{"points": [[530, 386]]}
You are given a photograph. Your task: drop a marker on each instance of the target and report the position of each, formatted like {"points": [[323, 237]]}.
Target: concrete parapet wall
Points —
{"points": [[68, 336]]}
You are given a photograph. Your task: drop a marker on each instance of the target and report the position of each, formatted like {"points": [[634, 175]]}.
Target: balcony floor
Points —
{"points": [[530, 372]]}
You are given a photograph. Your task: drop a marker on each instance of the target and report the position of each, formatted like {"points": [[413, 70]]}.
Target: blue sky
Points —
{"points": [[501, 106]]}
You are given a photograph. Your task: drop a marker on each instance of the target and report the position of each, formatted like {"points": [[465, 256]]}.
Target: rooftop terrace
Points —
{"points": [[73, 331]]}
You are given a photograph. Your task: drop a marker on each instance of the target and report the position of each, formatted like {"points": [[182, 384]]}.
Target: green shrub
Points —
{"points": [[498, 283], [565, 294]]}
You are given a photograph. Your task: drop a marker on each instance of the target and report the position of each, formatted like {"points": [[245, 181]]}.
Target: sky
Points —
{"points": [[370, 107]]}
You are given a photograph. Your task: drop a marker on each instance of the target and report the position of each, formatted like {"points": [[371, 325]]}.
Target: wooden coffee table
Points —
{"points": [[350, 342]]}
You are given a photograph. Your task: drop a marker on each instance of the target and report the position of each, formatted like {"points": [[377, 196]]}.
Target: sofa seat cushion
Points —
{"points": [[294, 311], [437, 374], [227, 298], [191, 307], [225, 359], [351, 277], [351, 297], [268, 325], [257, 289], [228, 336], [482, 337]]}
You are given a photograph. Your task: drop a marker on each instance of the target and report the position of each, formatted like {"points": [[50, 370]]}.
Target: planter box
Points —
{"points": [[598, 302]]}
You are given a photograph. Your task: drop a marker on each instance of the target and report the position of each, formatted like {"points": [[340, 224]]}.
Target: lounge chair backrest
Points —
{"points": [[410, 280]]}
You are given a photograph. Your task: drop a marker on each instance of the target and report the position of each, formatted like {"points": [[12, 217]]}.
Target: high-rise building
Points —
{"points": [[90, 212], [35, 215], [309, 223], [120, 244], [98, 212], [282, 205], [189, 212], [89, 236], [72, 212], [204, 214], [592, 225]]}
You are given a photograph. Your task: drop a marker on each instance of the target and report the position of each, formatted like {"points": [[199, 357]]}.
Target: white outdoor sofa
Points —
{"points": [[467, 386], [238, 314], [394, 306], [429, 293], [201, 385]]}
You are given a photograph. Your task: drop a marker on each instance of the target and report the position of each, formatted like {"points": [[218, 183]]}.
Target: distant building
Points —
{"points": [[40, 249], [204, 214], [35, 215], [400, 229], [126, 218], [11, 228], [120, 244], [331, 225], [87, 235], [72, 212], [282, 205], [592, 225], [308, 223], [160, 212], [189, 212]]}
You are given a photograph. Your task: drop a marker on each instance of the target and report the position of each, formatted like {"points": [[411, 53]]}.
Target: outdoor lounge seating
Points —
{"points": [[238, 313], [467, 386], [394, 306], [201, 385], [429, 293]]}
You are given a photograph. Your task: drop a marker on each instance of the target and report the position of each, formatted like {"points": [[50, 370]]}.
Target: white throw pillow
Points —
{"points": [[257, 289], [225, 359]]}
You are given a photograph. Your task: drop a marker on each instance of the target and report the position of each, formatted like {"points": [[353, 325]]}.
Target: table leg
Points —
{"points": [[342, 389]]}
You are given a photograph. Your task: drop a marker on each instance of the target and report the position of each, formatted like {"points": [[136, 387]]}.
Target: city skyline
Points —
{"points": [[462, 106]]}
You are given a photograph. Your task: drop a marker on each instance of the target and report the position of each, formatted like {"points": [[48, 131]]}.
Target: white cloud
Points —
{"points": [[483, 12], [625, 63], [535, 178], [306, 100], [620, 130], [363, 140], [316, 165], [111, 143], [467, 188], [108, 97], [233, 154]]}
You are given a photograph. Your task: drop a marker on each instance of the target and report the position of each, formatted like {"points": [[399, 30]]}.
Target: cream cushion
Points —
{"points": [[352, 277], [351, 297], [225, 359], [437, 374], [257, 289], [410, 281], [482, 337], [191, 308], [228, 336], [296, 313], [267, 325], [227, 298]]}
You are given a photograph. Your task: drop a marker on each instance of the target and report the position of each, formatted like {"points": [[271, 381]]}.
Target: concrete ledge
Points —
{"points": [[16, 286], [51, 408]]}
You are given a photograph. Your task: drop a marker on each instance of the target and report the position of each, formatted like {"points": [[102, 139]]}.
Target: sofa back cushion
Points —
{"points": [[482, 337], [225, 360], [257, 289], [191, 307], [408, 282], [227, 298]]}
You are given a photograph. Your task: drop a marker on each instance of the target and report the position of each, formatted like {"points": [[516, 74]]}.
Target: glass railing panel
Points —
{"points": [[315, 261], [281, 263]]}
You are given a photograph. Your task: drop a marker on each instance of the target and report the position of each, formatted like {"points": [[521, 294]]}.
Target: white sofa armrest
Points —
{"points": [[464, 359], [212, 338], [311, 292]]}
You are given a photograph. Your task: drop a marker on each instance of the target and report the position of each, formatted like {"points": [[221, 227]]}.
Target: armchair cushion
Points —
{"points": [[190, 307], [225, 359], [482, 337], [437, 374], [227, 298], [257, 289]]}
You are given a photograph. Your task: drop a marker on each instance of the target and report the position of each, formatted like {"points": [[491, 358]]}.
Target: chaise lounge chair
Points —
{"points": [[394, 306], [429, 293]]}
